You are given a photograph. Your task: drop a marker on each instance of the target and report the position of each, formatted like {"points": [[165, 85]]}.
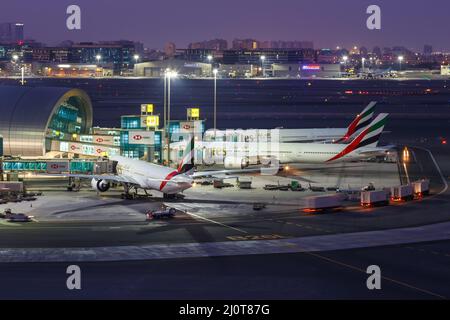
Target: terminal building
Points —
{"points": [[43, 129], [32, 118]]}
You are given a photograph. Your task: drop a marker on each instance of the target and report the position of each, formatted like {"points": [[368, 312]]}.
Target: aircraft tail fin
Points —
{"points": [[369, 137], [187, 162], [361, 121]]}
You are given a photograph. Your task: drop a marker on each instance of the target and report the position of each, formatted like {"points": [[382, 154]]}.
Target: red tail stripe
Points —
{"points": [[352, 127], [352, 146], [166, 179]]}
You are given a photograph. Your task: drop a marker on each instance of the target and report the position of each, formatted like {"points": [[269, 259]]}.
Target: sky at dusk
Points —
{"points": [[329, 23]]}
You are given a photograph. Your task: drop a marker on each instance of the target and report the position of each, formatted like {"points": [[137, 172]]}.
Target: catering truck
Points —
{"points": [[421, 188], [323, 203], [402, 193], [374, 198]]}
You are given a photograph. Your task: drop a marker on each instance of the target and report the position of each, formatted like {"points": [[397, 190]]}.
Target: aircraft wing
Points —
{"points": [[113, 178], [374, 151], [226, 173]]}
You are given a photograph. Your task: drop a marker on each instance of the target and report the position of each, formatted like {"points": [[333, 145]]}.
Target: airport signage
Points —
{"points": [[193, 113], [147, 108], [104, 139], [57, 166], [150, 121], [141, 137], [313, 67]]}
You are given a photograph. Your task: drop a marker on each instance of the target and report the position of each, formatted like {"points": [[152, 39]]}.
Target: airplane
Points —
{"points": [[240, 155], [337, 135], [138, 174], [364, 146], [377, 74]]}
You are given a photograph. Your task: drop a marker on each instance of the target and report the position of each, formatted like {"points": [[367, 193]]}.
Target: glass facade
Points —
{"points": [[41, 166], [131, 122], [136, 150], [119, 55]]}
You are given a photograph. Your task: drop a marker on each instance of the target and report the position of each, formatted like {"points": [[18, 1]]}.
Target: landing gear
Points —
{"points": [[177, 196], [127, 195], [134, 195], [74, 184]]}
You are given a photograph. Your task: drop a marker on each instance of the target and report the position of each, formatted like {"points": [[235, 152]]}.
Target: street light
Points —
{"points": [[400, 59], [98, 58], [136, 58], [169, 75], [263, 58], [215, 71], [363, 60], [210, 58], [15, 58]]}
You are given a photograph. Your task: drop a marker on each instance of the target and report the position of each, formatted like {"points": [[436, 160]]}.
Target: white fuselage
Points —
{"points": [[151, 176], [216, 152], [281, 135]]}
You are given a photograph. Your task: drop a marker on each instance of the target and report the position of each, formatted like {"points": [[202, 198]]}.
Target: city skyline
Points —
{"points": [[404, 23]]}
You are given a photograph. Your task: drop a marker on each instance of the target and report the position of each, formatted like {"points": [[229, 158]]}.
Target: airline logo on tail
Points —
{"points": [[367, 138], [361, 121], [187, 163]]}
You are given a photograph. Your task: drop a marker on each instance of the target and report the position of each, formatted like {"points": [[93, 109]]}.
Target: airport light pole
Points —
{"points": [[170, 75], [400, 59], [215, 71], [345, 59], [98, 58], [263, 58], [15, 58], [210, 58]]}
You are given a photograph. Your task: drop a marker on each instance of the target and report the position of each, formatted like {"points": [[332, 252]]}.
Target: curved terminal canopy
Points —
{"points": [[32, 117]]}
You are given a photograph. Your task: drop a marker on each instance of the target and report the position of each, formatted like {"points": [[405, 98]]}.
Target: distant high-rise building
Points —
{"points": [[11, 32], [427, 50], [279, 44], [119, 54], [170, 49], [245, 44], [363, 51], [215, 44], [377, 52]]}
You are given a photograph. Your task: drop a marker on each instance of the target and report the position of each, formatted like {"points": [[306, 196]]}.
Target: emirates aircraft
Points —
{"points": [[364, 146], [240, 155], [138, 174], [336, 135]]}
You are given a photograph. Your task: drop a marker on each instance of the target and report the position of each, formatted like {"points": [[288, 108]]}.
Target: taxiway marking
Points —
{"points": [[215, 222]]}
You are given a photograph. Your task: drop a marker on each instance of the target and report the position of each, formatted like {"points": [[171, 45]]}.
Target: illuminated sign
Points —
{"points": [[142, 137], [57, 167], [150, 121], [311, 67], [147, 108], [193, 113]]}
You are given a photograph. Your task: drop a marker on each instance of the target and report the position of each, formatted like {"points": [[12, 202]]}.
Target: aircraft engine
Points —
{"points": [[235, 162], [100, 185]]}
